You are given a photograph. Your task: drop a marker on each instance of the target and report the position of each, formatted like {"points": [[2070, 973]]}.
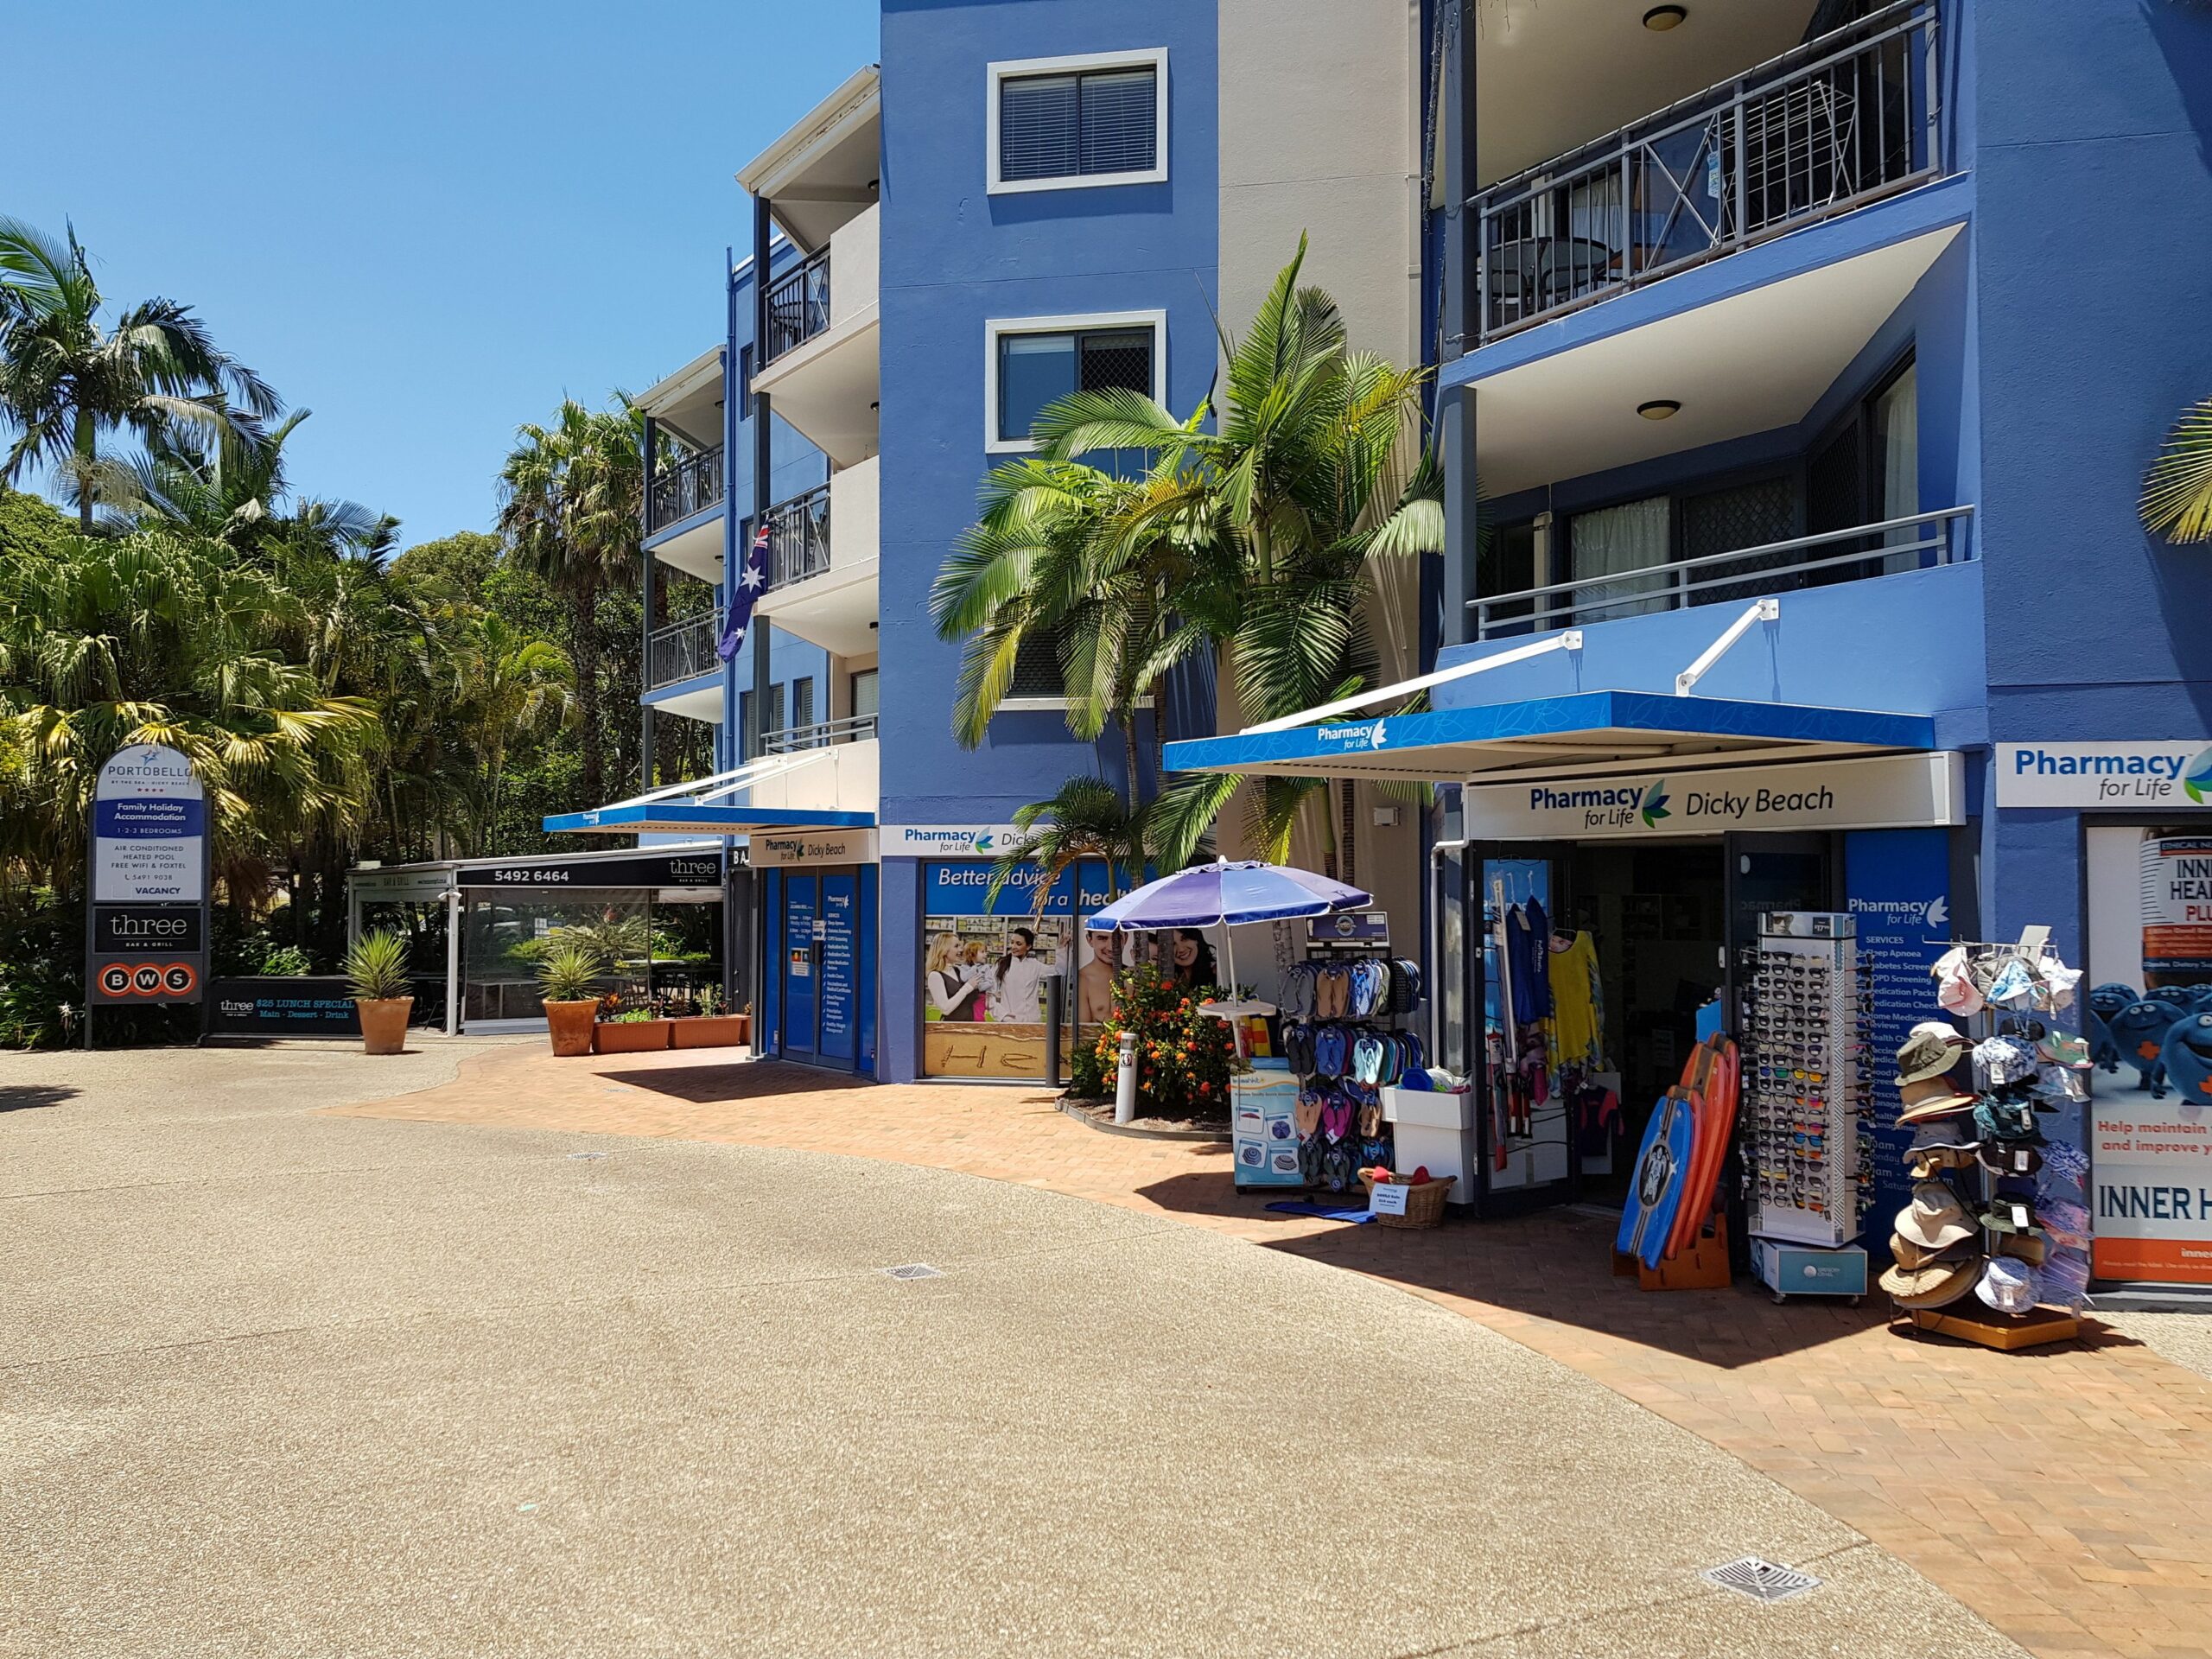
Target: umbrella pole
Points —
{"points": [[1236, 1023]]}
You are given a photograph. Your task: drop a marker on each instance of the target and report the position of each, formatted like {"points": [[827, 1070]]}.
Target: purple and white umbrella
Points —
{"points": [[1226, 894]]}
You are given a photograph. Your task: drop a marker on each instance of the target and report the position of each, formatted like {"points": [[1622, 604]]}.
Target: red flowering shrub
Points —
{"points": [[1184, 1058]]}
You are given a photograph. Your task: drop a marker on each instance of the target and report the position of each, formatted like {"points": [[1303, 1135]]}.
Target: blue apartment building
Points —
{"points": [[1801, 362], [1023, 198]]}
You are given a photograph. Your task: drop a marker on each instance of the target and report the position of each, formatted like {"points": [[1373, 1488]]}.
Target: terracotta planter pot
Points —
{"points": [[384, 1023], [630, 1036], [744, 1028], [570, 1024], [708, 1031]]}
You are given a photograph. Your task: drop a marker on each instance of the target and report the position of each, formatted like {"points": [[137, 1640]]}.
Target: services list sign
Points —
{"points": [[148, 926]]}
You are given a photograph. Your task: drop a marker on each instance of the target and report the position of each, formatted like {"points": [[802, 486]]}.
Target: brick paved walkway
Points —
{"points": [[2065, 1494]]}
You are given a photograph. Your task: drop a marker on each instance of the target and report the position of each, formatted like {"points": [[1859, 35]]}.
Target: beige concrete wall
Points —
{"points": [[1319, 120]]}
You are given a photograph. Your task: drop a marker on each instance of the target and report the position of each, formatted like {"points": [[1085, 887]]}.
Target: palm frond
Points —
{"points": [[2177, 489]]}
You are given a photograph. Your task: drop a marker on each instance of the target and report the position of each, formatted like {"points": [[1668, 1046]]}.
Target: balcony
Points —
{"points": [[821, 370], [824, 734], [1834, 125], [685, 486], [682, 650], [1920, 542], [839, 776], [799, 305], [823, 563]]}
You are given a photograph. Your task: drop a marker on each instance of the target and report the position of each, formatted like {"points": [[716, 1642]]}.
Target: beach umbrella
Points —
{"points": [[1228, 893]]}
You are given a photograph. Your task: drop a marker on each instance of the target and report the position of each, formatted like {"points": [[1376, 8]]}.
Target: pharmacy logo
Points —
{"points": [[1935, 914], [1653, 807], [982, 843], [2196, 781]]}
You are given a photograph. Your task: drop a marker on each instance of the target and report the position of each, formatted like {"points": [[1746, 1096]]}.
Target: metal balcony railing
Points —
{"points": [[682, 650], [820, 736], [1894, 545], [798, 537], [1837, 123], [684, 488], [798, 304]]}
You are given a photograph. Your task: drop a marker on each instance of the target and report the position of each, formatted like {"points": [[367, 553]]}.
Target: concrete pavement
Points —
{"points": [[273, 1382]]}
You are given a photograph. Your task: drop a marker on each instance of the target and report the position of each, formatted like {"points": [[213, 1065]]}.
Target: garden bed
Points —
{"points": [[1099, 1115]]}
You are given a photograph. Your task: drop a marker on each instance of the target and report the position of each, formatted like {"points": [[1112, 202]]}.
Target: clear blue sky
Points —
{"points": [[426, 222]]}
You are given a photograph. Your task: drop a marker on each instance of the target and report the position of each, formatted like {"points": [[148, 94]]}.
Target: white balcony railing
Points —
{"points": [[1895, 544]]}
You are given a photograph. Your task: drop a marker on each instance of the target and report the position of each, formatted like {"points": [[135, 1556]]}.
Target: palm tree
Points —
{"points": [[233, 490], [1253, 533], [2178, 489], [572, 497], [151, 638], [65, 381], [1085, 821], [517, 686]]}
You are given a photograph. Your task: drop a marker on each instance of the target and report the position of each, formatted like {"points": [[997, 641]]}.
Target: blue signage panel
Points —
{"points": [[1897, 885], [839, 958], [800, 914], [958, 890]]}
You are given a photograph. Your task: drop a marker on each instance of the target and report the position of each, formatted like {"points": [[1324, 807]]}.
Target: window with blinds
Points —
{"points": [[1091, 124]]}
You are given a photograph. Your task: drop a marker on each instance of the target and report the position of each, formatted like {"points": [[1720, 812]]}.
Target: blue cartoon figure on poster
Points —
{"points": [[2187, 1056], [2105, 1004], [2138, 1032]]}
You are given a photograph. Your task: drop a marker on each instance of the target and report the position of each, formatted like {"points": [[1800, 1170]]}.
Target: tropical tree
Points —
{"points": [[66, 380], [515, 685], [2178, 489], [148, 638], [1252, 534], [572, 497], [1086, 821], [232, 489]]}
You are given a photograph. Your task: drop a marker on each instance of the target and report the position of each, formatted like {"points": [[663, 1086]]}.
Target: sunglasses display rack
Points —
{"points": [[1805, 1085]]}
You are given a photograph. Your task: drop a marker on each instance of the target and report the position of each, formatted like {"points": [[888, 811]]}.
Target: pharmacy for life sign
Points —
{"points": [[2173, 775], [147, 935]]}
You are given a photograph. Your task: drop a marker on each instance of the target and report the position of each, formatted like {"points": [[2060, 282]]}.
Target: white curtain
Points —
{"points": [[1896, 438], [1630, 536]]}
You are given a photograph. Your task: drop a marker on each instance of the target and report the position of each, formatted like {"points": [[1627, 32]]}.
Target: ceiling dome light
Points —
{"points": [[1659, 409], [1659, 19]]}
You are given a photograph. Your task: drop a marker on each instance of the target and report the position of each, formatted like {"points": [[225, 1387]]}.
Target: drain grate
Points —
{"points": [[1761, 1580], [912, 1270]]}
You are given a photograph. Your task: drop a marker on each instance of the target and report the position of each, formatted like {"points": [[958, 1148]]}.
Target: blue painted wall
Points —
{"points": [[954, 256], [2093, 244]]}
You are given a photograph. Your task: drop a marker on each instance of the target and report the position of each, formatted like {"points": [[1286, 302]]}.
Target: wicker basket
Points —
{"points": [[1424, 1204]]}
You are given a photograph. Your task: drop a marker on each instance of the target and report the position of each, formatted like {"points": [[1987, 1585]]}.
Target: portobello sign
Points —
{"points": [[147, 935]]}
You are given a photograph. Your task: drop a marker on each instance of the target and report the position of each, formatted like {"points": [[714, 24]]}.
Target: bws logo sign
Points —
{"points": [[118, 982]]}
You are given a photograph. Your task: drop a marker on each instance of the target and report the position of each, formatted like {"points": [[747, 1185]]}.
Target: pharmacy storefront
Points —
{"points": [[1643, 889], [2140, 813]]}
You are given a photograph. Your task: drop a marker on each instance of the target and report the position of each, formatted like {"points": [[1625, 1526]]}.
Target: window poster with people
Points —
{"points": [[2149, 1023], [985, 966]]}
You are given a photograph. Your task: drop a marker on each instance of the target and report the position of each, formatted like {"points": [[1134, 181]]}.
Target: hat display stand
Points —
{"points": [[1968, 1319], [1806, 1087]]}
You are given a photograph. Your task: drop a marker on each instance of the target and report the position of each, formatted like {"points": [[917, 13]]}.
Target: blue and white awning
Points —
{"points": [[700, 807], [1574, 733]]}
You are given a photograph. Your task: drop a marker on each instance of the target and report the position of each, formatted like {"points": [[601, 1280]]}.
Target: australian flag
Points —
{"points": [[744, 593]]}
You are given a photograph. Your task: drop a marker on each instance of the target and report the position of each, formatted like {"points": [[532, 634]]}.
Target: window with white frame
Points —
{"points": [[1031, 363], [1059, 123]]}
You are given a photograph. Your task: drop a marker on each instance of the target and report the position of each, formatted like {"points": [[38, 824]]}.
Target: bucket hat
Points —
{"points": [[2022, 1246], [1937, 1285], [1935, 1219], [2000, 1060], [2055, 984], [2009, 1216], [1926, 1165], [1955, 991], [1931, 1098], [2013, 985], [1930, 1049], [2005, 1120], [2010, 1158], [2062, 1048], [2008, 1286], [1911, 1256]]}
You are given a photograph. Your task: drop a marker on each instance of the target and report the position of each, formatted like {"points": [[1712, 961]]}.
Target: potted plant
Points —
{"points": [[567, 981], [629, 1031], [710, 1028], [377, 968]]}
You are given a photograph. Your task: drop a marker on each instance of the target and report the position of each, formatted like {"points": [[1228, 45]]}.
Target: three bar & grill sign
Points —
{"points": [[146, 934]]}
